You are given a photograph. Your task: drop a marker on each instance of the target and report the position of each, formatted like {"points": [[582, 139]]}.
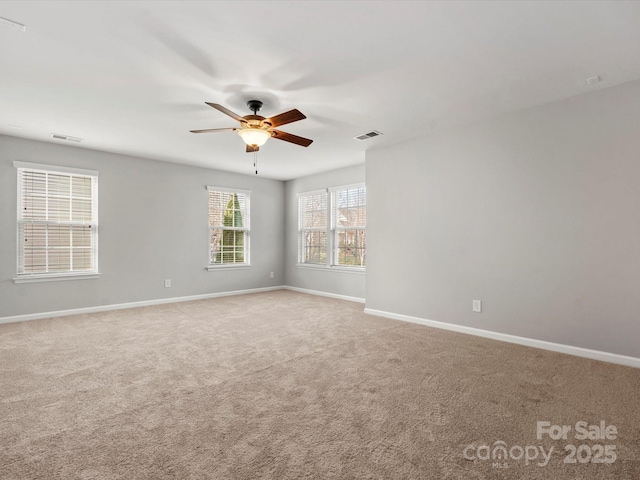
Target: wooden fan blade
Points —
{"points": [[288, 137], [286, 117], [252, 148], [207, 130], [226, 111]]}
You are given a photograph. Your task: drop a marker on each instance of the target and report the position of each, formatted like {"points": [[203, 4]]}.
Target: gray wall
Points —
{"points": [[153, 226], [536, 214], [338, 282]]}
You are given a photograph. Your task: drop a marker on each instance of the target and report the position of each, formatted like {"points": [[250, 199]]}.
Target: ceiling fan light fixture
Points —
{"points": [[254, 136]]}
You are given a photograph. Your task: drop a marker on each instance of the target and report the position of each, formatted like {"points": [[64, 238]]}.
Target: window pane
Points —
{"points": [[34, 183], [227, 209], [351, 247], [59, 184], [59, 260], [59, 236], [34, 207], [82, 259], [59, 209], [81, 187], [350, 207], [313, 210], [34, 236], [227, 246], [82, 236], [81, 210], [35, 260], [314, 244]]}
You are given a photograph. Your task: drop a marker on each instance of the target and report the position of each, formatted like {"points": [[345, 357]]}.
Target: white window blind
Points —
{"points": [[57, 222], [228, 226], [313, 222], [349, 226]]}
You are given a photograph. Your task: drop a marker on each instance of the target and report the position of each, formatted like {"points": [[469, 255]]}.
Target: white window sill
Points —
{"points": [[339, 268], [55, 277], [238, 266]]}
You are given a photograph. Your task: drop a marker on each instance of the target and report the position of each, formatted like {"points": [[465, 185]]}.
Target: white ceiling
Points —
{"points": [[132, 77]]}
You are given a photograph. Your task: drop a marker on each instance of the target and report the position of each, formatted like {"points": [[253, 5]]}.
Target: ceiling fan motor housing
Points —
{"points": [[254, 106], [255, 121]]}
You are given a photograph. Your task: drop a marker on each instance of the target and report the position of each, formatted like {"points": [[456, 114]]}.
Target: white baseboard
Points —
{"points": [[120, 306], [324, 294], [504, 337]]}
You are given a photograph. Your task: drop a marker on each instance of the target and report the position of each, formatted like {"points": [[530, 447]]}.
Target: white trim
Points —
{"points": [[53, 277], [55, 168], [121, 306], [329, 268], [228, 266], [349, 269], [324, 294], [227, 190], [504, 337], [313, 266]]}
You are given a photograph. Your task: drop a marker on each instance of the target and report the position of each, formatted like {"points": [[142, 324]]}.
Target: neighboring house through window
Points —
{"points": [[332, 227], [57, 221], [348, 225], [228, 227]]}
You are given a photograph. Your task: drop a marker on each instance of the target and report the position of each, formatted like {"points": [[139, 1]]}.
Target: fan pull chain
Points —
{"points": [[255, 161]]}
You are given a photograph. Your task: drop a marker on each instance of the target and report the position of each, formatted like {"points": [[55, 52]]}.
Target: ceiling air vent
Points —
{"points": [[371, 134], [67, 138]]}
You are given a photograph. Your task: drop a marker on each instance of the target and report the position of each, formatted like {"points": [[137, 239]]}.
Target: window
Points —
{"points": [[312, 230], [332, 227], [57, 221], [348, 225], [228, 227]]}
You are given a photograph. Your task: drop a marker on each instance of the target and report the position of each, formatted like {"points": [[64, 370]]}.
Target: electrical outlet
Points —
{"points": [[477, 306], [272, 275], [167, 283]]}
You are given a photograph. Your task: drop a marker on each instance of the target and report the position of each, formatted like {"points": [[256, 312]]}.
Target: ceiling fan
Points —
{"points": [[255, 129]]}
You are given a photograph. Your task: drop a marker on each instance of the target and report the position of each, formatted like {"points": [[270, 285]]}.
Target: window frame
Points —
{"points": [[330, 230], [28, 277], [246, 228]]}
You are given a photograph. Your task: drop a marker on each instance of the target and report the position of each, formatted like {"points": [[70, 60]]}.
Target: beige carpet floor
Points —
{"points": [[283, 385]]}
